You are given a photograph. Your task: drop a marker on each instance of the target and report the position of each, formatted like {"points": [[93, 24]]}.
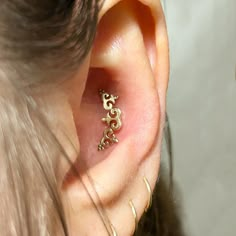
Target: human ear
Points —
{"points": [[129, 59]]}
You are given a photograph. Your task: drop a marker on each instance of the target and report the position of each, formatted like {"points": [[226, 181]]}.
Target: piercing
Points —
{"points": [[113, 230], [108, 139], [113, 119], [134, 212], [149, 203], [108, 99]]}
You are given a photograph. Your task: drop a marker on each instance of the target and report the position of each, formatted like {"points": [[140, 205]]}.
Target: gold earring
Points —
{"points": [[113, 230], [134, 212], [113, 120], [149, 203]]}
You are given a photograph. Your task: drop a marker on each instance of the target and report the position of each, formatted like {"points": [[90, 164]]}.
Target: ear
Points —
{"points": [[129, 59]]}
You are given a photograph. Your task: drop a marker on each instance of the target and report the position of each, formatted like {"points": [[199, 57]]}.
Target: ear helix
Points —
{"points": [[112, 120]]}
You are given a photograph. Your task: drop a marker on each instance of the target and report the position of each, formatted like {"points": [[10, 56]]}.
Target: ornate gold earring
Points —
{"points": [[112, 119]]}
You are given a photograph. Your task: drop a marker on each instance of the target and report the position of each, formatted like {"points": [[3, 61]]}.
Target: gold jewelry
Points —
{"points": [[149, 203], [134, 212], [108, 99], [113, 230], [113, 120], [108, 139]]}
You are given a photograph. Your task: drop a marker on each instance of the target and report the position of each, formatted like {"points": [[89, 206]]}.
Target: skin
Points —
{"points": [[130, 59]]}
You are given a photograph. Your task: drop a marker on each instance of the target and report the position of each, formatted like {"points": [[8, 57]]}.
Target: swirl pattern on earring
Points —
{"points": [[108, 99], [108, 139], [134, 212], [149, 203], [112, 119]]}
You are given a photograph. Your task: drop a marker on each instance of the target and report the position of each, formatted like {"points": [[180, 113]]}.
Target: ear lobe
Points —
{"points": [[125, 61]]}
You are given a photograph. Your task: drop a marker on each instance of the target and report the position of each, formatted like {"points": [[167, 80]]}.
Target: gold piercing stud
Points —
{"points": [[112, 120], [108, 139], [113, 230], [149, 203], [134, 212]]}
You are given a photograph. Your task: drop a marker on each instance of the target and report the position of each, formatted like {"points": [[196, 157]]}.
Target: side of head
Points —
{"points": [[55, 56]]}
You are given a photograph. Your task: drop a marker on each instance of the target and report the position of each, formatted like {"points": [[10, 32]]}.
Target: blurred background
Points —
{"points": [[202, 112]]}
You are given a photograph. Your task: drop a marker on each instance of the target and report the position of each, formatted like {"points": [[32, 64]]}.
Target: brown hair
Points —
{"points": [[35, 36], [38, 36]]}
